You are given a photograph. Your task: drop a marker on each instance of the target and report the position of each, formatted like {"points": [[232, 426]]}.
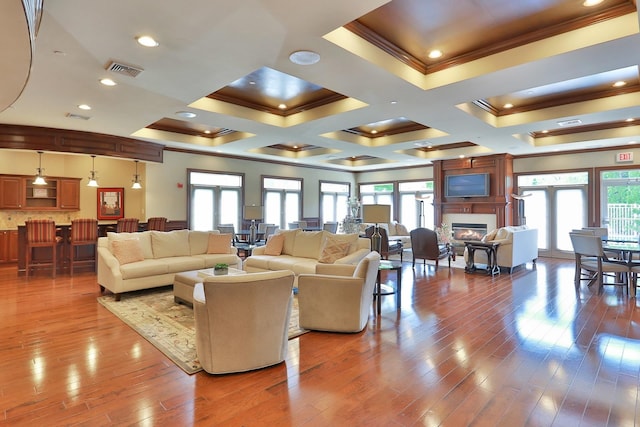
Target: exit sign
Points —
{"points": [[624, 157]]}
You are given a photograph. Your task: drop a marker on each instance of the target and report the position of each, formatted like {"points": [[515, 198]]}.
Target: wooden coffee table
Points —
{"points": [[183, 283]]}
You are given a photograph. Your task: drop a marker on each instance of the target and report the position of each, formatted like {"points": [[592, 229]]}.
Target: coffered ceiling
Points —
{"points": [[519, 77]]}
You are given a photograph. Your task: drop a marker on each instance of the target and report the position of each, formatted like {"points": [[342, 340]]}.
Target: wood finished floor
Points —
{"points": [[515, 350]]}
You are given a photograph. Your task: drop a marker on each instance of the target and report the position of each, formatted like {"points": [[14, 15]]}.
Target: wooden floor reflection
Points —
{"points": [[525, 349]]}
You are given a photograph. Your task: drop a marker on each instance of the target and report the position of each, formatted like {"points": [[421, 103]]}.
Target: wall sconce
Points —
{"points": [[92, 175], [39, 178], [136, 179]]}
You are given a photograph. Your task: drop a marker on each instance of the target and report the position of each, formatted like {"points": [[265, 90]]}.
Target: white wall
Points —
{"points": [[165, 198]]}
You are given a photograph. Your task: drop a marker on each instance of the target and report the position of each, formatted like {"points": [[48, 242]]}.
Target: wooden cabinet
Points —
{"points": [[19, 193], [8, 246], [69, 193], [11, 192]]}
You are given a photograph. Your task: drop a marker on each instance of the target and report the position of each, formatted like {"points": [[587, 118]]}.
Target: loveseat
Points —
{"points": [[149, 259], [300, 251], [395, 231], [518, 245]]}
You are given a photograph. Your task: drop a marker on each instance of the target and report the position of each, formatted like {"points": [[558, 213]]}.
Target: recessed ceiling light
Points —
{"points": [[84, 107], [108, 82], [545, 131], [282, 106], [619, 83], [461, 156], [147, 41], [630, 119], [207, 131], [373, 131], [632, 142], [590, 3], [186, 114], [508, 105], [304, 57], [394, 102], [435, 54]]}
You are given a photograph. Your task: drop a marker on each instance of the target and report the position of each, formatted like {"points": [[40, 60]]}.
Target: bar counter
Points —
{"points": [[63, 231]]}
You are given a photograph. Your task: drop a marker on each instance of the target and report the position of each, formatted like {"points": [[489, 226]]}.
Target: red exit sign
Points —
{"points": [[624, 157]]}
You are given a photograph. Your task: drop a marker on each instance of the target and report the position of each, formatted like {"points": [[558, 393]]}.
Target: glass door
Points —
{"points": [[620, 203], [555, 205]]}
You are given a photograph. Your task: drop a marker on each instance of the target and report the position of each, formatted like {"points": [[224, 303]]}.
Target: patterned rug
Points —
{"points": [[167, 325]]}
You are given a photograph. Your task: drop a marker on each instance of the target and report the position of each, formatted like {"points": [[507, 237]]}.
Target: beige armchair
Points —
{"points": [[242, 321], [338, 298]]}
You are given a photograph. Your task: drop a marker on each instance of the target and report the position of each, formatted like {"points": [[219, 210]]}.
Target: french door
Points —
{"points": [[555, 211]]}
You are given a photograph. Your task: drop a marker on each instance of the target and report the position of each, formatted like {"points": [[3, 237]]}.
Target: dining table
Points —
{"points": [[627, 251]]}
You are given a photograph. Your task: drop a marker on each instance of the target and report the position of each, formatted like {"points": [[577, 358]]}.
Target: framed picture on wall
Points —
{"points": [[110, 203]]}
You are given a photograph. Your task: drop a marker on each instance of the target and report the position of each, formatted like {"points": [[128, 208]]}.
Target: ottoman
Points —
{"points": [[183, 283]]}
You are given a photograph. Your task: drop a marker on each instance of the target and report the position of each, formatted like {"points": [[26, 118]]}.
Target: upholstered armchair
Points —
{"points": [[338, 298], [424, 245], [242, 321]]}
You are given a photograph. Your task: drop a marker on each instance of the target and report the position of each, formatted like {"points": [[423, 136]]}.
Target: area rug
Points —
{"points": [[167, 325]]}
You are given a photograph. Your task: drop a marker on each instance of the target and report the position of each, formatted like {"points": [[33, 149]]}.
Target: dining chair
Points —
{"points": [[229, 229], [41, 233], [330, 226], [157, 223], [269, 230], [592, 264], [84, 232], [127, 225]]}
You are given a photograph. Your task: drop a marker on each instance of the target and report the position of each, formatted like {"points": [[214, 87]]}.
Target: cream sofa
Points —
{"points": [[302, 250], [395, 231], [158, 258], [518, 245]]}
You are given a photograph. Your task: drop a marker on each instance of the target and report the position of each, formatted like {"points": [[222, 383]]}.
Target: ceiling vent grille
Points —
{"points": [[121, 68], [77, 116]]}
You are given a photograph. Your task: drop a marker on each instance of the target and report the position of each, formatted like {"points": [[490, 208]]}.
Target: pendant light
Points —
{"points": [[136, 179], [92, 175], [39, 178]]}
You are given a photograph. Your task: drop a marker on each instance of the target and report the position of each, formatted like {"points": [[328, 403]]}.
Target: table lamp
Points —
{"points": [[376, 214], [253, 212]]}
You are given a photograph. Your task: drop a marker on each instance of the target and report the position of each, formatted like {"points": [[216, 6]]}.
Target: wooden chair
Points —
{"points": [[592, 264], [127, 225], [41, 233], [424, 245], [157, 223], [386, 248], [84, 232]]}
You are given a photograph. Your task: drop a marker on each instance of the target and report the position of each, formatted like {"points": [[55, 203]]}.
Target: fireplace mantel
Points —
{"points": [[500, 169]]}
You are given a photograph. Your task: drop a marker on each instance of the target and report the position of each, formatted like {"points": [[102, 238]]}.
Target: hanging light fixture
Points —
{"points": [[92, 175], [136, 179], [39, 179]]}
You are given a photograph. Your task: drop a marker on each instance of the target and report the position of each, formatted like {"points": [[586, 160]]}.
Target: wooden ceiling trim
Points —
{"points": [[69, 141], [585, 128], [329, 99], [451, 146], [405, 128], [403, 56], [193, 132]]}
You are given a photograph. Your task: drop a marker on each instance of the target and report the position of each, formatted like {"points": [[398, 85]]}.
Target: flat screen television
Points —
{"points": [[467, 185]]}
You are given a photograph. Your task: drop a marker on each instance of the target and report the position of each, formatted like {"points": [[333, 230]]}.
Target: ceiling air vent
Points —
{"points": [[77, 116], [127, 70]]}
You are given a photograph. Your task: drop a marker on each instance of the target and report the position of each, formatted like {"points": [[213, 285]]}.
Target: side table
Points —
{"points": [[380, 290], [490, 249]]}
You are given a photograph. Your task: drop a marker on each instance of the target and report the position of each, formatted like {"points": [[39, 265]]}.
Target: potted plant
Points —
{"points": [[220, 269]]}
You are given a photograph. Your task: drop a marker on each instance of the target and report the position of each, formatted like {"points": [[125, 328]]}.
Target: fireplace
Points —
{"points": [[468, 231]]}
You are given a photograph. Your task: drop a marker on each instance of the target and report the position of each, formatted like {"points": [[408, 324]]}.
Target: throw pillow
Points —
{"points": [[401, 230], [274, 245], [489, 236], [127, 251], [219, 243], [333, 250]]}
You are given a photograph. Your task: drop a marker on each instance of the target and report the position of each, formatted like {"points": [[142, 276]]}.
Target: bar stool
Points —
{"points": [[84, 232], [127, 225], [157, 223], [41, 233]]}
